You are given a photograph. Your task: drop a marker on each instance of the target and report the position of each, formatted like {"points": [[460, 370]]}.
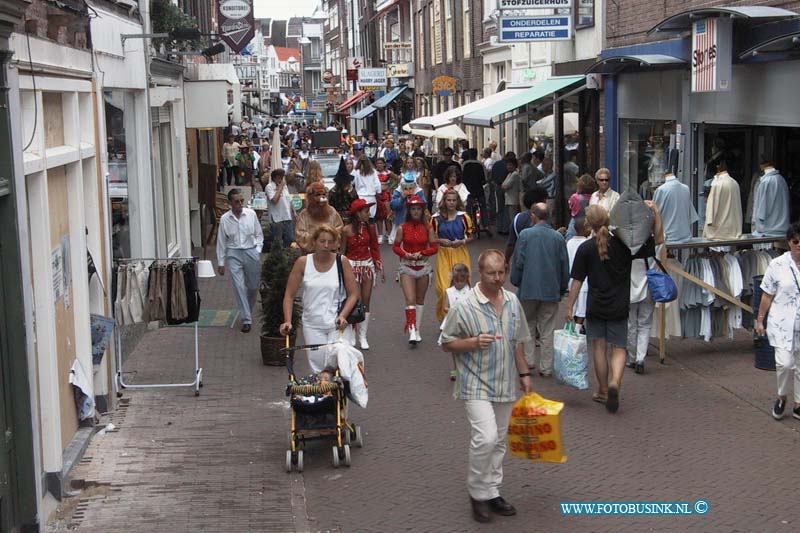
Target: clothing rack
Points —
{"points": [[198, 371], [697, 243]]}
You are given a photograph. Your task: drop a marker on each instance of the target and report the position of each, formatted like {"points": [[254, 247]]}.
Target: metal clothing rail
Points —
{"points": [[119, 382], [746, 240]]}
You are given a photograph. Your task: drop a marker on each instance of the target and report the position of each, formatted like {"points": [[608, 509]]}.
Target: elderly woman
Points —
{"points": [[781, 299], [415, 242], [318, 274], [360, 245], [453, 229]]}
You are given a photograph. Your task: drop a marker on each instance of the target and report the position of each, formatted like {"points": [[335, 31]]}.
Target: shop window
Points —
{"points": [[584, 14], [647, 153], [119, 144]]}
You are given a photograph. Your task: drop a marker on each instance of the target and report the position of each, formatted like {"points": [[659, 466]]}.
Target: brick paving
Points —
{"points": [[696, 428]]}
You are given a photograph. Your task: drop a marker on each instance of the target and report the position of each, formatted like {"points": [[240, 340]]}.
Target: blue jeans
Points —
{"points": [[284, 231]]}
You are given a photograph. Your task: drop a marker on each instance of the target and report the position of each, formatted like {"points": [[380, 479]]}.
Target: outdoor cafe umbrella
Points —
{"points": [[275, 149], [447, 132], [545, 127]]}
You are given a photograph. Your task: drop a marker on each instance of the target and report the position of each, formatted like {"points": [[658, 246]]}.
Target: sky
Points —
{"points": [[283, 9]]}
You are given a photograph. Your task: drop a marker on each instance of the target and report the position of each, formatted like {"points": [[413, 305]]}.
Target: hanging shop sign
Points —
{"points": [[397, 46], [327, 77], [506, 5], [535, 28], [355, 63], [236, 24], [372, 77], [351, 75], [400, 70], [712, 55], [444, 86]]}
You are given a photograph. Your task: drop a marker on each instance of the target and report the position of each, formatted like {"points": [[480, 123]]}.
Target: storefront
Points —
{"points": [[655, 123]]}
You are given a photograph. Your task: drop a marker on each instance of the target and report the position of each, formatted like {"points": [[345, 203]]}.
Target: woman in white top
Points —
{"points": [[452, 180], [582, 232], [781, 299], [318, 274], [367, 184]]}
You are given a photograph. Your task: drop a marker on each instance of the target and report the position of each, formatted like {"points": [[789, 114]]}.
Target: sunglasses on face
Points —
{"points": [[603, 180]]}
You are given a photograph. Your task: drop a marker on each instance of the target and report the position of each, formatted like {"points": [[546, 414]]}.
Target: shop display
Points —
{"points": [[723, 209], [674, 200], [771, 205]]}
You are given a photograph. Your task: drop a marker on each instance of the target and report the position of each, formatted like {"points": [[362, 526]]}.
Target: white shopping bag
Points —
{"points": [[571, 357], [351, 367]]}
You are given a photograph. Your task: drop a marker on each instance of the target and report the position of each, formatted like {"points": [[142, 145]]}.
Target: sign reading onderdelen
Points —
{"points": [[535, 28], [506, 5], [372, 77]]}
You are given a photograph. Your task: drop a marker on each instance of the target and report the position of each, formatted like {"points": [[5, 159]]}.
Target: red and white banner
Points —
{"points": [[712, 51]]}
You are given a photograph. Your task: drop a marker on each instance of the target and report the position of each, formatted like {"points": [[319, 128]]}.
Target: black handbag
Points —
{"points": [[358, 314]]}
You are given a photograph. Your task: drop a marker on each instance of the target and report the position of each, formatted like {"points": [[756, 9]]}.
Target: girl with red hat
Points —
{"points": [[414, 243], [360, 245]]}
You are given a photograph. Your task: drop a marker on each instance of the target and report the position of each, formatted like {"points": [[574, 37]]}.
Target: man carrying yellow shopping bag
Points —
{"points": [[485, 332]]}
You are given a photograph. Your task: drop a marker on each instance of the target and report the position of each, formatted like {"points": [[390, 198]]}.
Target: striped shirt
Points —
{"points": [[489, 374]]}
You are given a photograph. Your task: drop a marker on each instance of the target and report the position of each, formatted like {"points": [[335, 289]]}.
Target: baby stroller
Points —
{"points": [[318, 412]]}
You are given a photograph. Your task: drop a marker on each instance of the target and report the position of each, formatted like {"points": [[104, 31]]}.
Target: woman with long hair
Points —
{"points": [[389, 181], [579, 201], [423, 176], [453, 229], [318, 275], [414, 242], [360, 245], [314, 172], [342, 194], [452, 180], [605, 261], [367, 184]]}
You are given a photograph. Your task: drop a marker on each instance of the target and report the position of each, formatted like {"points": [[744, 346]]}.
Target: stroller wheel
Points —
{"points": [[335, 457], [300, 461], [359, 440], [346, 449], [288, 460], [346, 435]]}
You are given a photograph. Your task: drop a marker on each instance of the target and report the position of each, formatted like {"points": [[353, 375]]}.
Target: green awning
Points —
{"points": [[364, 112], [388, 98], [485, 117]]}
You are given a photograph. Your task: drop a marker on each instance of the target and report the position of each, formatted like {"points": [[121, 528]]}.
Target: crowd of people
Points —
{"points": [[392, 192]]}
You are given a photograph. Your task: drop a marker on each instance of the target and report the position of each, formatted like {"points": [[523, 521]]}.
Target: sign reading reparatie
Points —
{"points": [[236, 23]]}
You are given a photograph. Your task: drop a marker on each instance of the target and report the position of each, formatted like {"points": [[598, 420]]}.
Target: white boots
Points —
{"points": [[362, 333], [420, 309]]}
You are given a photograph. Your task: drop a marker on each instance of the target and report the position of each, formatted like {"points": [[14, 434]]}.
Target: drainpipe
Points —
{"points": [[144, 13]]}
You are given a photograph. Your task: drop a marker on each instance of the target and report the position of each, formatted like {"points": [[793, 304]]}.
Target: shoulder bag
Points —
{"points": [[662, 286], [357, 314]]}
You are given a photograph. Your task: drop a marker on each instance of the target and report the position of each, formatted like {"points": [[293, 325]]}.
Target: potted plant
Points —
{"points": [[274, 277]]}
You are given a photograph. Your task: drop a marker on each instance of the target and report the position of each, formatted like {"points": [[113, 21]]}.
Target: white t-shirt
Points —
{"points": [[368, 186], [638, 280], [580, 303], [280, 211]]}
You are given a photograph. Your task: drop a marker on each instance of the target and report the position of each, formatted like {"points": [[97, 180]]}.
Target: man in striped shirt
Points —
{"points": [[486, 331]]}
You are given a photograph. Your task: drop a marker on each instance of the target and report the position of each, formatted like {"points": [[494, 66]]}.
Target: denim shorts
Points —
{"points": [[615, 332]]}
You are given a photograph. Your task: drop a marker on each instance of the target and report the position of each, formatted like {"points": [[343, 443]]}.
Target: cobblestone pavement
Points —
{"points": [[695, 428]]}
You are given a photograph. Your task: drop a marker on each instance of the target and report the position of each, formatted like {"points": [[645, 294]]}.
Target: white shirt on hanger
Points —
{"points": [[241, 233]]}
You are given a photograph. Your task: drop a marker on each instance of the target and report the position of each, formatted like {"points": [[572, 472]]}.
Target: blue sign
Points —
{"points": [[536, 28]]}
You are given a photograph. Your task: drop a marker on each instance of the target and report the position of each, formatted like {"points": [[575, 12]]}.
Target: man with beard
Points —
{"points": [[317, 213]]}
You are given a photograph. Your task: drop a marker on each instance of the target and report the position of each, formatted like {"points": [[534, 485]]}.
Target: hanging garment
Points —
{"points": [[121, 309], [192, 292], [724, 209], [176, 295], [134, 294]]}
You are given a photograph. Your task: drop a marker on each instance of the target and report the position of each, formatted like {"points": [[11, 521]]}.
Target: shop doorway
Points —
{"points": [[740, 148]]}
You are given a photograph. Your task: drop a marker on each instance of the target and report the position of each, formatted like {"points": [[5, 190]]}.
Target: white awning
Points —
{"points": [[451, 132], [452, 116]]}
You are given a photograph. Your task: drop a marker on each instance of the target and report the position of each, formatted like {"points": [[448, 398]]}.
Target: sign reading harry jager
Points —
{"points": [[236, 23], [533, 4]]}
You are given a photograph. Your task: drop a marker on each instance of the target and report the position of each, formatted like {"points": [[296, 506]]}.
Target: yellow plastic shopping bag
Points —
{"points": [[534, 431]]}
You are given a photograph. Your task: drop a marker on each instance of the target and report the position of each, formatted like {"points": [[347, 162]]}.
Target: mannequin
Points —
{"points": [[724, 208], [674, 200], [771, 205]]}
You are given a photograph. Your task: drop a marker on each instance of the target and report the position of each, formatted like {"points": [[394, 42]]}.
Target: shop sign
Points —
{"points": [[400, 70], [373, 88], [327, 77], [712, 55], [372, 77], [397, 46], [355, 63], [444, 86], [351, 75], [506, 5], [236, 24], [535, 28]]}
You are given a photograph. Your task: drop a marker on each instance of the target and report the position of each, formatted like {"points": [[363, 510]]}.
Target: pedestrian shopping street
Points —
{"points": [[695, 428]]}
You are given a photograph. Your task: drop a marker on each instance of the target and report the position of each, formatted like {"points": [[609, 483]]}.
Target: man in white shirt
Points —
{"points": [[604, 196], [495, 155], [239, 242], [281, 213]]}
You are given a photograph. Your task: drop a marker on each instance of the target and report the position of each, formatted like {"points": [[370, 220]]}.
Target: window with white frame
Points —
{"points": [[333, 17], [327, 57], [434, 33], [449, 37], [421, 40], [467, 25], [489, 7]]}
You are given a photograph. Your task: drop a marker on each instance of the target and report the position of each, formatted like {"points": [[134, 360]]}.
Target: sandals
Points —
{"points": [[599, 397]]}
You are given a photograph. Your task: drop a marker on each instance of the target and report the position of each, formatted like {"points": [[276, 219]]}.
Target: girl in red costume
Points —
{"points": [[360, 245], [415, 242]]}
